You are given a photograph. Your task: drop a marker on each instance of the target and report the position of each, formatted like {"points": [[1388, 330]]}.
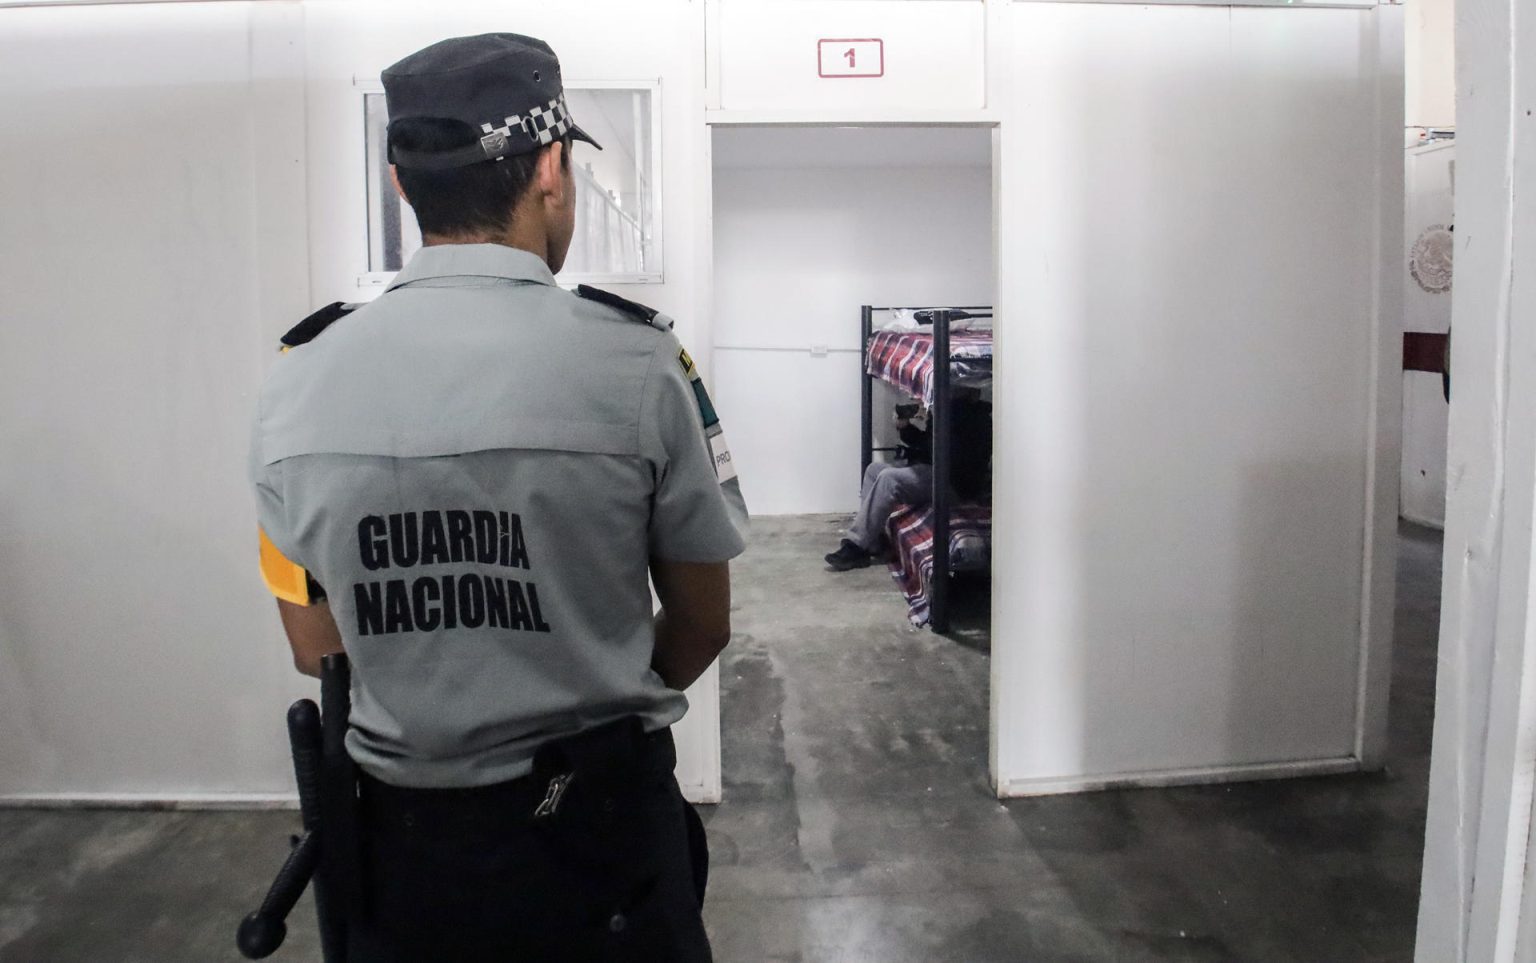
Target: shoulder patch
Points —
{"points": [[633, 309], [309, 329]]}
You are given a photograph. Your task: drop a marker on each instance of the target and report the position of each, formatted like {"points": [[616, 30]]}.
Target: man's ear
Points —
{"points": [[394, 178], [551, 172]]}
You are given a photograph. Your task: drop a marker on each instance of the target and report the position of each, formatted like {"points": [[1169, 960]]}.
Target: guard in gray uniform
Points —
{"points": [[467, 485]]}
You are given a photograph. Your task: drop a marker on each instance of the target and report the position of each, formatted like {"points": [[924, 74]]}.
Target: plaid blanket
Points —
{"points": [[905, 359], [910, 530]]}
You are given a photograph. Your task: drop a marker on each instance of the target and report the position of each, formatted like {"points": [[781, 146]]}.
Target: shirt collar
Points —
{"points": [[474, 260]]}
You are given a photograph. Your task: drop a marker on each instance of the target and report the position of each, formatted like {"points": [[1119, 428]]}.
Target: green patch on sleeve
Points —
{"points": [[706, 407]]}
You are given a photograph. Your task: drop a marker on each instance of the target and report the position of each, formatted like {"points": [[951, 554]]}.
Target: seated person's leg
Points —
{"points": [[885, 487]]}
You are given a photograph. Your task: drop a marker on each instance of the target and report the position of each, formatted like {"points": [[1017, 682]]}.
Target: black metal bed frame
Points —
{"points": [[939, 419]]}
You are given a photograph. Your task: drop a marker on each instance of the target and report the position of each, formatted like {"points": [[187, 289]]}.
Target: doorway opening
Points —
{"points": [[849, 265]]}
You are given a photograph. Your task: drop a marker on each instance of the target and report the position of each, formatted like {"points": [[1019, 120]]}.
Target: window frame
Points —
{"points": [[377, 281]]}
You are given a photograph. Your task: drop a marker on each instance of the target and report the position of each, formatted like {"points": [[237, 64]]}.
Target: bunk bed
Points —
{"points": [[927, 365]]}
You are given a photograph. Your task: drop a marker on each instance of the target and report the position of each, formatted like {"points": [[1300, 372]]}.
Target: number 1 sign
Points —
{"points": [[850, 58]]}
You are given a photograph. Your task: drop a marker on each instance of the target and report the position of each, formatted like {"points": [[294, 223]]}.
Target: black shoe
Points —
{"points": [[848, 556]]}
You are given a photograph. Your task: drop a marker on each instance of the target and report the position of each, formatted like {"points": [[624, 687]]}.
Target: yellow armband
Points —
{"points": [[287, 580]]}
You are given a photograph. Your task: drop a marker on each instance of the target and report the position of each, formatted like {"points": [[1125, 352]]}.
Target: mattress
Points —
{"points": [[905, 359], [910, 531]]}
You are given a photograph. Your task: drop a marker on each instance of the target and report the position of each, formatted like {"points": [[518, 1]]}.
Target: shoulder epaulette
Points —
{"points": [[309, 329], [633, 309]]}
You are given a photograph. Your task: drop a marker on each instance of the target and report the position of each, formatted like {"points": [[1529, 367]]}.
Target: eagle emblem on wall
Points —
{"points": [[1430, 260]]}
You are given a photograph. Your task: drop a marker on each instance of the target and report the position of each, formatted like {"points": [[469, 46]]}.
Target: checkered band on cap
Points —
{"points": [[543, 125]]}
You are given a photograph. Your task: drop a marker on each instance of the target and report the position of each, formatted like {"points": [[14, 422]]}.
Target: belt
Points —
{"points": [[610, 754]]}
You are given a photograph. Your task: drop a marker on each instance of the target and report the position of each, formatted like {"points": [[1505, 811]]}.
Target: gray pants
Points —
{"points": [[886, 486]]}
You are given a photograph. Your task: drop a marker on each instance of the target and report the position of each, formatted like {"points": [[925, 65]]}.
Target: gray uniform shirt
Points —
{"points": [[477, 467]]}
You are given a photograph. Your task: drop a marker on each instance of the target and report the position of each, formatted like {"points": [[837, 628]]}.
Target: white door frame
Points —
{"points": [[712, 117], [725, 119], [1478, 875]]}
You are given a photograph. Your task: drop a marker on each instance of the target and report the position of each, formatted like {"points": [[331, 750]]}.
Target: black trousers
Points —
{"points": [[615, 873]]}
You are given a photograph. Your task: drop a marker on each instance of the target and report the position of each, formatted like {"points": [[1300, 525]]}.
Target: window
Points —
{"points": [[618, 199], [617, 210], [392, 233]]}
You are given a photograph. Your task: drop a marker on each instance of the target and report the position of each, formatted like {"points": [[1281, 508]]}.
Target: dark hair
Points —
{"points": [[461, 200]]}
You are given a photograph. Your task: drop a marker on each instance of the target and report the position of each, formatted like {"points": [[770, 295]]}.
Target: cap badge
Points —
{"points": [[494, 144]]}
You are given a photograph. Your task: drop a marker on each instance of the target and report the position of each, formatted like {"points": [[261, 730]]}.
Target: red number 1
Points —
{"points": [[849, 54]]}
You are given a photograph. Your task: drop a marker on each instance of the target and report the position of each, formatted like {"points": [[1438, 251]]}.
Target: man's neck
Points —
{"points": [[537, 245]]}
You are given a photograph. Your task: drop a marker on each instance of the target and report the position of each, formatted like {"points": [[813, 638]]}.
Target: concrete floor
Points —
{"points": [[857, 824]]}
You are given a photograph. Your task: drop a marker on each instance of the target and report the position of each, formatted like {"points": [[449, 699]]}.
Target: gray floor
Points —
{"points": [[858, 826]]}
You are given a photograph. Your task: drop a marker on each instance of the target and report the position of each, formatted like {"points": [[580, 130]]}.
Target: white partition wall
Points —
{"points": [[148, 221], [1429, 176], [1196, 203], [1478, 898], [1196, 458]]}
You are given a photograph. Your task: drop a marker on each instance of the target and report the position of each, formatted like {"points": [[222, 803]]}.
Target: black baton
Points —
{"points": [[262, 932], [316, 770], [340, 878]]}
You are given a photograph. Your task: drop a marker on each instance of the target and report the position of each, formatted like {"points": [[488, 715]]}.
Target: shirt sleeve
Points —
{"points": [[285, 578], [698, 514]]}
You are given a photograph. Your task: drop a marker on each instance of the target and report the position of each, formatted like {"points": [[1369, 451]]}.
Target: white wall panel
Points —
{"points": [[1430, 62], [140, 253], [1425, 423], [1185, 350], [787, 417], [797, 251], [769, 55], [1425, 412]]}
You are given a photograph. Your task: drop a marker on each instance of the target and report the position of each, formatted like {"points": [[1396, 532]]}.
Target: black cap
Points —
{"points": [[504, 85]]}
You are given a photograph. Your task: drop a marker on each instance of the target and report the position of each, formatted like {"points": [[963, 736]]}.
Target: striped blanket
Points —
{"points": [[911, 531], [905, 359]]}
